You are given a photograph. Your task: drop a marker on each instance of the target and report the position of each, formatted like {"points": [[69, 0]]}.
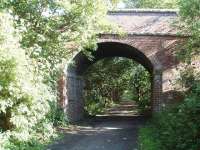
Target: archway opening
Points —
{"points": [[111, 49], [117, 86], [75, 83]]}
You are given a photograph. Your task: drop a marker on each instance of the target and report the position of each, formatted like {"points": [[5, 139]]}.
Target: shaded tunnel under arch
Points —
{"points": [[75, 84], [111, 49]]}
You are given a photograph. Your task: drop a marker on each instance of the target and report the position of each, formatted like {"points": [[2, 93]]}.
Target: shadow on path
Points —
{"points": [[107, 132]]}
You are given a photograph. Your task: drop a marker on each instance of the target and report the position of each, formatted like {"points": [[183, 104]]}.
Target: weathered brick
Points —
{"points": [[150, 41]]}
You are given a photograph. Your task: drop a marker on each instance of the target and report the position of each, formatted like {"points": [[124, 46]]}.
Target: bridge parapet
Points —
{"points": [[151, 40], [145, 21]]}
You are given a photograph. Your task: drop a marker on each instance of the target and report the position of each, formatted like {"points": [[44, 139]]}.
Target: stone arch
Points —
{"points": [[74, 103]]}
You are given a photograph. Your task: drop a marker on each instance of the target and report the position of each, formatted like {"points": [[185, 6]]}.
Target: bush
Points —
{"points": [[176, 128], [108, 81], [147, 139], [24, 98], [57, 115], [26, 145], [95, 103]]}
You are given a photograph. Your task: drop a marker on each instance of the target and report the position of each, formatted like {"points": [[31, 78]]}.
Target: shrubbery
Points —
{"points": [[24, 98], [36, 39], [111, 80], [178, 127]]}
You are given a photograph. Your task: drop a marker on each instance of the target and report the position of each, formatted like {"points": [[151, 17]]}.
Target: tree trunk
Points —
{"points": [[115, 95], [5, 123]]}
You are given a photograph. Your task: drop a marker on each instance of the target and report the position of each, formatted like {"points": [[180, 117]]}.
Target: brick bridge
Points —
{"points": [[151, 40]]}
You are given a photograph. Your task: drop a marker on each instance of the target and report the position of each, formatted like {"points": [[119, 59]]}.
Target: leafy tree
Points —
{"points": [[189, 17], [141, 87], [110, 79], [131, 3], [105, 82], [161, 4], [23, 95], [53, 30], [178, 128], [46, 34], [170, 4]]}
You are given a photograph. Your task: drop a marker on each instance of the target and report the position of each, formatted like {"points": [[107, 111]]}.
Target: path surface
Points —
{"points": [[116, 130]]}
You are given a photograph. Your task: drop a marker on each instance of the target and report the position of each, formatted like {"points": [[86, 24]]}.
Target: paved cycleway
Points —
{"points": [[117, 129]]}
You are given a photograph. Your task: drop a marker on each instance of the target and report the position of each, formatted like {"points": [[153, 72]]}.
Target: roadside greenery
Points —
{"points": [[36, 39], [24, 97], [189, 16], [159, 4], [178, 127], [114, 79]]}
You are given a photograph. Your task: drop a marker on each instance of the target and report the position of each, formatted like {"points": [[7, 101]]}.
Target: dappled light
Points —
{"points": [[99, 74], [117, 81]]}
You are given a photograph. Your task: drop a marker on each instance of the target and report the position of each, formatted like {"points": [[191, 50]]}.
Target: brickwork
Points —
{"points": [[74, 96], [155, 51]]}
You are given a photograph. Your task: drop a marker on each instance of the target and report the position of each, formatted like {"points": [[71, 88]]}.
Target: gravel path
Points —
{"points": [[113, 131]]}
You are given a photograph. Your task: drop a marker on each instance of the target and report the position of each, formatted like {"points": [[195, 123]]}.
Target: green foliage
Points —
{"points": [[148, 139], [188, 77], [23, 95], [176, 128], [105, 82], [189, 17], [170, 4], [110, 79], [57, 115], [96, 104], [161, 4], [32, 55], [131, 3], [53, 30], [21, 91], [141, 85], [28, 145]]}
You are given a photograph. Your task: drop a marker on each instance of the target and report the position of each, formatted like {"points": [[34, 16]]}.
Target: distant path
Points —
{"points": [[116, 130]]}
